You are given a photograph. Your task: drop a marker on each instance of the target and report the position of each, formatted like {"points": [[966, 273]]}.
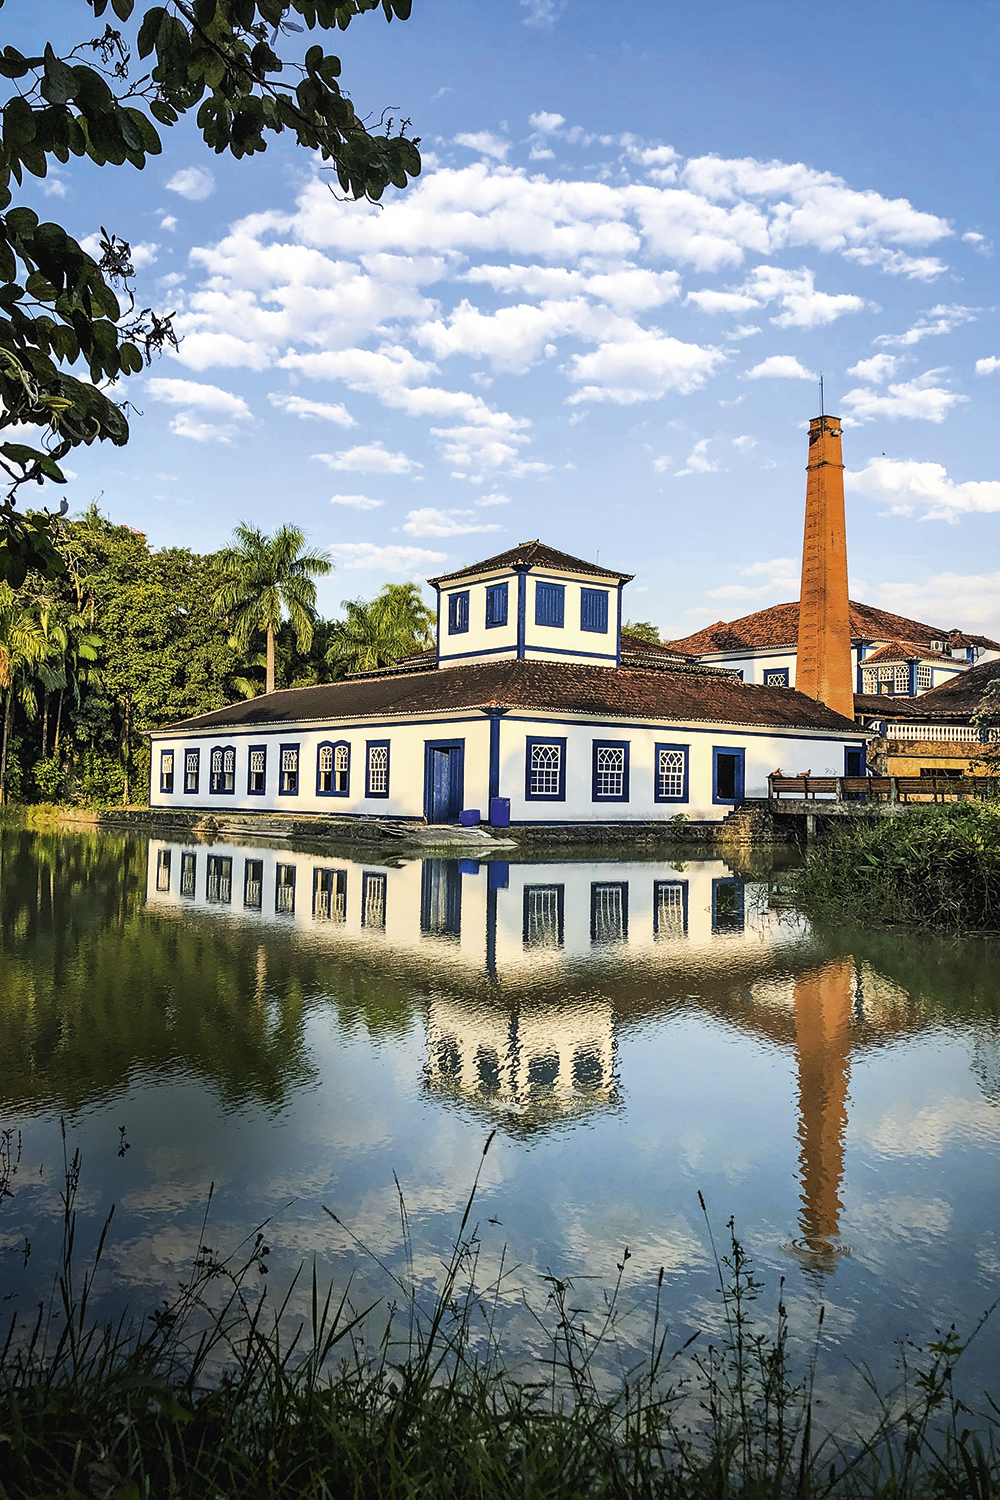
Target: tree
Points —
{"points": [[22, 650], [376, 633], [986, 718], [59, 307], [263, 579], [643, 631]]}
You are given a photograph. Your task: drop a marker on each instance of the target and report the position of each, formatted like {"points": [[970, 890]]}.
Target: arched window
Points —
{"points": [[333, 769], [222, 769]]}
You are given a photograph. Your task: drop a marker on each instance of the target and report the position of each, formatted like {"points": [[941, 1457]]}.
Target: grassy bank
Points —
{"points": [[218, 1394], [937, 866]]}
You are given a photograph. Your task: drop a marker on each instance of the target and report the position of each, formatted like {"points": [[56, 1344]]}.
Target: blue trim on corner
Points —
{"points": [[686, 751], [531, 740], [615, 745], [618, 630], [494, 755], [740, 778], [522, 604], [437, 621]]}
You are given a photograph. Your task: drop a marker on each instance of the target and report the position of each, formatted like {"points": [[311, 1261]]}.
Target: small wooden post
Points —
{"points": [[893, 789]]}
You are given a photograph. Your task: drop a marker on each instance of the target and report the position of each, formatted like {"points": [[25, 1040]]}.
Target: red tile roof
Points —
{"points": [[679, 695], [907, 651], [960, 697], [532, 555], [779, 626]]}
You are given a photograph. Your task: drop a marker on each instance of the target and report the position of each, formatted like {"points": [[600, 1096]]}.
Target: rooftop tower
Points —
{"points": [[823, 667]]}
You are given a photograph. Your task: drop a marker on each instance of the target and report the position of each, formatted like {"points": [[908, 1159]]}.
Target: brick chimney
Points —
{"points": [[823, 668]]}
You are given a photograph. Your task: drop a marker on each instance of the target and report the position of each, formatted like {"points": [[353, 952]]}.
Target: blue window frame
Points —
{"points": [[544, 916], [594, 610], [545, 769], [776, 677], [727, 774], [458, 613], [222, 770], [728, 906], [550, 604], [496, 605], [288, 771], [377, 768], [256, 770], [333, 769], [609, 911], [166, 771], [609, 781], [670, 773], [670, 908], [192, 763], [855, 760]]}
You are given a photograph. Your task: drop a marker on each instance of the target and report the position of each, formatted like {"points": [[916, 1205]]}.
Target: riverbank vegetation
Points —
{"points": [[219, 1393], [127, 637], [936, 866]]}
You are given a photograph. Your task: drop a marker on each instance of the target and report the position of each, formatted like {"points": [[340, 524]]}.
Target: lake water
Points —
{"points": [[297, 1028]]}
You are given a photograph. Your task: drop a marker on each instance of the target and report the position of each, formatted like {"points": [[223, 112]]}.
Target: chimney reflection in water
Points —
{"points": [[824, 1002]]}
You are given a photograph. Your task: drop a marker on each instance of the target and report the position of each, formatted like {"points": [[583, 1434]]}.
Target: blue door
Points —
{"points": [[444, 780]]}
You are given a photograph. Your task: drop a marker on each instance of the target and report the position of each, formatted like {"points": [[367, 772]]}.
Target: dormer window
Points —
{"points": [[458, 613], [550, 604]]}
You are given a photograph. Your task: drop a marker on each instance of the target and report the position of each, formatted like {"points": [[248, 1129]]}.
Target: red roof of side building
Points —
{"points": [[661, 694], [959, 698], [779, 626], [906, 651], [532, 555]]}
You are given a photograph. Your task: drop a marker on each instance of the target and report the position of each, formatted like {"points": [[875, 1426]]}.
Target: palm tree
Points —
{"points": [[377, 632], [22, 651], [71, 646], [264, 579]]}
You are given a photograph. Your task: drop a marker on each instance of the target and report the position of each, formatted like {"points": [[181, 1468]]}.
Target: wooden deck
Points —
{"points": [[850, 796]]}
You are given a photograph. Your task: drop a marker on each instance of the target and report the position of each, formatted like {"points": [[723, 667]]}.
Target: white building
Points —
{"points": [[529, 709], [891, 655]]}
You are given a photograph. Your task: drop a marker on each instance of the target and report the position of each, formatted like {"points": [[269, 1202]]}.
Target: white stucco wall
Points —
{"points": [[764, 751]]}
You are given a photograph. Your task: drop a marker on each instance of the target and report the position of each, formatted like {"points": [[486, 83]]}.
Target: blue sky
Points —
{"points": [[597, 317]]}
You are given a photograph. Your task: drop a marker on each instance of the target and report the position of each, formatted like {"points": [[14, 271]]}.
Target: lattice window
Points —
{"points": [[670, 908], [330, 895], [373, 900], [545, 770], [543, 916], [163, 870], [378, 770], [608, 911], [189, 870], [609, 771], [253, 884], [925, 677], [284, 889], [776, 677], [289, 768], [341, 767], [671, 769], [191, 758], [894, 679], [222, 768], [258, 763], [220, 879], [166, 770]]}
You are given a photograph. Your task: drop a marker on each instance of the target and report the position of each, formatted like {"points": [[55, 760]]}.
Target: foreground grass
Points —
{"points": [[936, 866], [212, 1397]]}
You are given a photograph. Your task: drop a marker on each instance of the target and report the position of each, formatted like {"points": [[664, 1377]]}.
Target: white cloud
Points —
{"points": [[546, 123], [188, 424], [745, 443], [780, 576], [937, 320], [193, 394], [356, 502], [987, 366], [429, 521], [662, 464], [168, 222], [642, 367], [906, 484], [485, 142], [369, 458], [698, 461], [298, 406], [979, 243], [193, 183], [880, 367], [493, 498], [542, 14], [969, 599], [414, 562], [780, 367], [917, 399], [804, 306], [898, 263]]}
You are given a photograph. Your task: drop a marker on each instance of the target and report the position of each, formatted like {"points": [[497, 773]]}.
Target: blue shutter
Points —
{"points": [[458, 613], [594, 610], [550, 604], [496, 605]]}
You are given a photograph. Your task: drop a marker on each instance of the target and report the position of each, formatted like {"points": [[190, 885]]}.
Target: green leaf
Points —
{"points": [[148, 32], [123, 8], [18, 122], [59, 83], [19, 453]]}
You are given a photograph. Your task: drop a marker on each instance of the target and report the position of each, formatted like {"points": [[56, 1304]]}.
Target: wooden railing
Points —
{"points": [[879, 788]]}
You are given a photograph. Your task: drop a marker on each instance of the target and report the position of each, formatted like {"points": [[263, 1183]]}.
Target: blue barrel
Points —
{"points": [[499, 812]]}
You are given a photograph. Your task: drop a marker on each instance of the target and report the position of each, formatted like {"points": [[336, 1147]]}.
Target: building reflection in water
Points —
{"points": [[531, 970]]}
